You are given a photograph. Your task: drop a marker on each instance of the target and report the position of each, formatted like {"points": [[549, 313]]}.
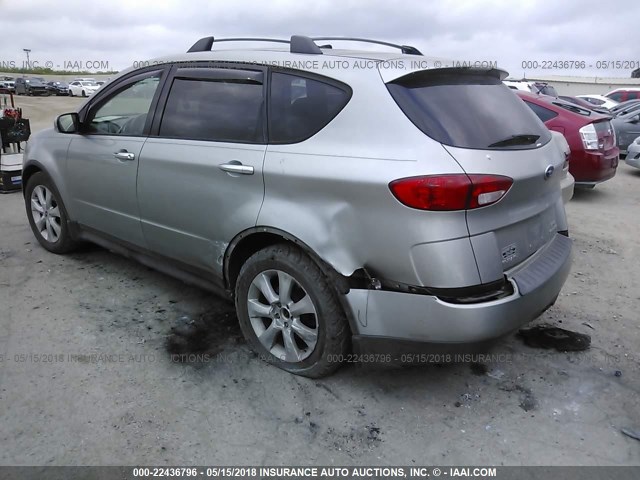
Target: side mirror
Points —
{"points": [[68, 123]]}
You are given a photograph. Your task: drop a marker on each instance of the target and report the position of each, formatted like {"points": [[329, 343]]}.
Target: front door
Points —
{"points": [[102, 162]]}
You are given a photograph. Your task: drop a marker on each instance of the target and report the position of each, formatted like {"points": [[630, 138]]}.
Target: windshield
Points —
{"points": [[468, 110]]}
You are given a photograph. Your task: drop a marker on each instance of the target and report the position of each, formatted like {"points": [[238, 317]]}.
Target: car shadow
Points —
{"points": [[632, 172], [585, 195]]}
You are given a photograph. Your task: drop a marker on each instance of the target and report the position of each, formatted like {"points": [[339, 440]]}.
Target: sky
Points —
{"points": [[524, 37]]}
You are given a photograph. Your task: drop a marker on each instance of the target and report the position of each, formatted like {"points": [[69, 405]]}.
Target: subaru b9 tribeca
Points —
{"points": [[337, 197]]}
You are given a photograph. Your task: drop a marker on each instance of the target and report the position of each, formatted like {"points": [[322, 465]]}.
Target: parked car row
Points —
{"points": [[82, 87]]}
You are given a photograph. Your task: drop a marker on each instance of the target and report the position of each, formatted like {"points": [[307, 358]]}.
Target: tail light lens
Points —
{"points": [[450, 192], [589, 137]]}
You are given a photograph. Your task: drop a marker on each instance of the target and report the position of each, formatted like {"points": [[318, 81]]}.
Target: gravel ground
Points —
{"points": [[91, 373]]}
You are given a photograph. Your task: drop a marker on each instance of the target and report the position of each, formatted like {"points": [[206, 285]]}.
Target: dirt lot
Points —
{"points": [[133, 402]]}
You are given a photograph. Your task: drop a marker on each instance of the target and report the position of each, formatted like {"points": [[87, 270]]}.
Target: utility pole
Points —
{"points": [[27, 50]]}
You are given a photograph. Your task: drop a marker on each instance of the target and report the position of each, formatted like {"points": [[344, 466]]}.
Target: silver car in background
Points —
{"points": [[633, 154], [342, 199]]}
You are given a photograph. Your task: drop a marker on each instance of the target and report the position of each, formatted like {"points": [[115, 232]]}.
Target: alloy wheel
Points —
{"points": [[46, 213], [282, 315]]}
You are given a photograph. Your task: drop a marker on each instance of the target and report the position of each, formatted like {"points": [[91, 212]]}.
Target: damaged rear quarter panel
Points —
{"points": [[340, 204]]}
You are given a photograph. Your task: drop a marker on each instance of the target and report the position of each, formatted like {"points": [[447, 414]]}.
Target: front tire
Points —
{"points": [[47, 215], [289, 312], [84, 94]]}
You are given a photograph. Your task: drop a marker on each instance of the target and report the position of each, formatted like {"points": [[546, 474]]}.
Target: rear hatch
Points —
{"points": [[488, 130]]}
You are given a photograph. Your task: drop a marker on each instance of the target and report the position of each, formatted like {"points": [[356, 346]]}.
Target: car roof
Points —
{"points": [[625, 89], [390, 65]]}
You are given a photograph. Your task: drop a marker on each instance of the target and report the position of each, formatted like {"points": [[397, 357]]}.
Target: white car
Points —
{"points": [[599, 100], [83, 88], [568, 182], [541, 88]]}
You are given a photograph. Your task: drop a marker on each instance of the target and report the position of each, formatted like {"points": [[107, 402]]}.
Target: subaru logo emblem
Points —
{"points": [[549, 171]]}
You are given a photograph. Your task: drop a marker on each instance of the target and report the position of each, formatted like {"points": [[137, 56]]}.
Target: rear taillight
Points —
{"points": [[450, 192], [589, 137]]}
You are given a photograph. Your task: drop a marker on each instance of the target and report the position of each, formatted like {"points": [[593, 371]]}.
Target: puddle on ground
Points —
{"points": [[202, 336], [547, 336]]}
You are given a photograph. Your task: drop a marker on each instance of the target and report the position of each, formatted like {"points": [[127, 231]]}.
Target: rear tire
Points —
{"points": [[289, 312], [47, 215], [84, 94]]}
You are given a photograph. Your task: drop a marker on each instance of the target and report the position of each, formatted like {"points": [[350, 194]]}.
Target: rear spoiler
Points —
{"points": [[435, 66]]}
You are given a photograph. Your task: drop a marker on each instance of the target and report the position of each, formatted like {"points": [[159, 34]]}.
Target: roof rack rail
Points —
{"points": [[406, 49], [298, 43]]}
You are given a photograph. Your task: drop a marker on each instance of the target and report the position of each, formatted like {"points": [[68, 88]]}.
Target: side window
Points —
{"points": [[301, 107], [220, 110], [125, 112], [617, 96], [633, 95], [542, 113]]}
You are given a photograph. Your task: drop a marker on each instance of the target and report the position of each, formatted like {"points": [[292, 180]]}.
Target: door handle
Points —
{"points": [[236, 168], [124, 155]]}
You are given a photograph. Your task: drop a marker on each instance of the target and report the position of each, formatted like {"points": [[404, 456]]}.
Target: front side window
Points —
{"points": [[126, 111], [301, 107], [220, 110]]}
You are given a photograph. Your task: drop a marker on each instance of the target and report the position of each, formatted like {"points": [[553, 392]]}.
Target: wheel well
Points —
{"points": [[254, 242], [28, 173], [246, 247]]}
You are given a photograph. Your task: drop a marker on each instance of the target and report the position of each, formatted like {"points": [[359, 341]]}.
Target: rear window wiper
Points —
{"points": [[522, 139]]}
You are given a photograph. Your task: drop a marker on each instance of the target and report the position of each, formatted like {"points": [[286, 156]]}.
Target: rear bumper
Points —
{"points": [[567, 184], [388, 316], [591, 168]]}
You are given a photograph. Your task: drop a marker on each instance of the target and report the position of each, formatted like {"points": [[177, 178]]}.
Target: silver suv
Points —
{"points": [[343, 199]]}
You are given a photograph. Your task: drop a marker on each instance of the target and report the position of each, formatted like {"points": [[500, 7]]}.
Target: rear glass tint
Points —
{"points": [[468, 110]]}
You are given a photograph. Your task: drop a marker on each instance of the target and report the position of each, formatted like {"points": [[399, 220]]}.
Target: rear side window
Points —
{"points": [[617, 96], [301, 107], [633, 95], [214, 110], [542, 113], [468, 110]]}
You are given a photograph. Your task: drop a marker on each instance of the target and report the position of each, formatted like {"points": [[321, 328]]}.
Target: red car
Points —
{"points": [[624, 94], [594, 154]]}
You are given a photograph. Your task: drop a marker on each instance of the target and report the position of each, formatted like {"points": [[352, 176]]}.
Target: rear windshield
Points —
{"points": [[468, 110]]}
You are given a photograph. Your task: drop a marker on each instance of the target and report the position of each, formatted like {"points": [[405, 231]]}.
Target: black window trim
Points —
{"points": [[208, 70], [311, 76], [116, 87]]}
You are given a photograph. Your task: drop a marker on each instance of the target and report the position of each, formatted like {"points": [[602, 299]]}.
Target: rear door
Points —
{"points": [[200, 180], [487, 129]]}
